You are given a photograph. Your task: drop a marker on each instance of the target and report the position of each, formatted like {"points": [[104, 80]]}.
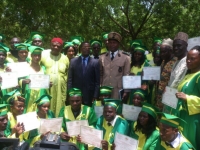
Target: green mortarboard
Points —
{"points": [[3, 109], [150, 109], [75, 92], [157, 40], [76, 40], [11, 96], [34, 35], [105, 35], [112, 102], [105, 90], [43, 99], [140, 92], [2, 37], [22, 46], [171, 120], [67, 44], [35, 49], [95, 41], [4, 48], [135, 43], [140, 49]]}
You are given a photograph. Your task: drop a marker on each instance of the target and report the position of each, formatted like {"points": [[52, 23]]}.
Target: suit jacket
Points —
{"points": [[89, 82], [112, 71]]}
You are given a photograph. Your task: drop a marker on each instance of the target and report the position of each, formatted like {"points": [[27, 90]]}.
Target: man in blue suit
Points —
{"points": [[84, 73]]}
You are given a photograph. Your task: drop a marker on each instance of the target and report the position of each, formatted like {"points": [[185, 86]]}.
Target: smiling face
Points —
{"points": [[56, 48], [43, 109], [167, 133], [23, 54], [70, 52], [143, 118], [193, 60], [109, 113], [17, 108]]}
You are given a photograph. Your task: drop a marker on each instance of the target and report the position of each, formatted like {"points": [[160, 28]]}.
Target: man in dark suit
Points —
{"points": [[84, 73]]}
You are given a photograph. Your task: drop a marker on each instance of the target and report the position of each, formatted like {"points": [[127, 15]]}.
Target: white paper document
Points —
{"points": [[131, 112], [39, 81], [98, 111], [91, 136], [29, 120], [123, 142], [193, 42], [131, 82], [73, 127], [151, 73], [9, 80], [169, 97], [52, 125], [22, 68]]}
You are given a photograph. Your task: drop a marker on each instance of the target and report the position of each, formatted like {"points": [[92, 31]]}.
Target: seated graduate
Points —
{"points": [[105, 92], [43, 111], [4, 122], [144, 129], [75, 111], [171, 137], [111, 123], [17, 104]]}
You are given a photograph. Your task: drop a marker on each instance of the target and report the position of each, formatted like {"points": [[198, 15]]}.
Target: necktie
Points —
{"points": [[169, 144], [84, 65], [112, 57]]}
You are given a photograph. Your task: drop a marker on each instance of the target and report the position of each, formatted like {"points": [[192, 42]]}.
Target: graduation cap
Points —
{"points": [[140, 92], [112, 102], [106, 90], [95, 41], [137, 42], [4, 48], [67, 44], [2, 37], [140, 49], [35, 49], [22, 46], [105, 35], [35, 35], [157, 40], [3, 109], [171, 120], [8, 97], [150, 109], [43, 99], [75, 92], [76, 40]]}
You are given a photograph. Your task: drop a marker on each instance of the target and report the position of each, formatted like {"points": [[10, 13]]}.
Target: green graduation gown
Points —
{"points": [[144, 144], [120, 126]]}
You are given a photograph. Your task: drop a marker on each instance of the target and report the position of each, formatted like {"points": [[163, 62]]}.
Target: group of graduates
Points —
{"points": [[158, 126]]}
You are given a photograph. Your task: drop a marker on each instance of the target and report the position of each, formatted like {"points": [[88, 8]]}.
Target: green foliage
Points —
{"points": [[133, 19]]}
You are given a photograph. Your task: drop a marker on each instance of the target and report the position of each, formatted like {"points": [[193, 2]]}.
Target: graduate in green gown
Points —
{"points": [[144, 129], [171, 137], [17, 104], [189, 98], [76, 111], [43, 112], [111, 123], [3, 68], [35, 68], [22, 49], [56, 65]]}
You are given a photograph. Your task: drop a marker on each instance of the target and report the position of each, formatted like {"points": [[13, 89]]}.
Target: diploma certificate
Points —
{"points": [[22, 68], [151, 73], [9, 80], [124, 142], [73, 127], [131, 112], [91, 136], [98, 111], [52, 125], [39, 81], [131, 82], [29, 120], [169, 97]]}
